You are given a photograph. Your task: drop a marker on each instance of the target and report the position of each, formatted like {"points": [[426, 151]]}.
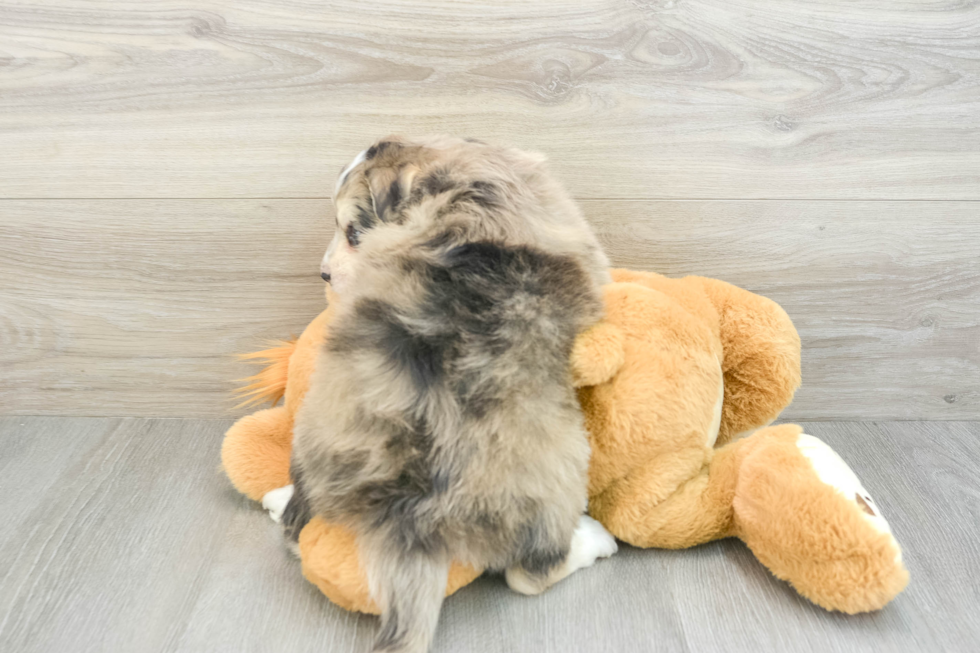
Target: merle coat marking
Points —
{"points": [[441, 422]]}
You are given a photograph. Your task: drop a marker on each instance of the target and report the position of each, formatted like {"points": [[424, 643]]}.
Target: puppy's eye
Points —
{"points": [[353, 236]]}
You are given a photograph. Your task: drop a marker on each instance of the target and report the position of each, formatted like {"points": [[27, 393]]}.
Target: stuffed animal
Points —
{"points": [[677, 385]]}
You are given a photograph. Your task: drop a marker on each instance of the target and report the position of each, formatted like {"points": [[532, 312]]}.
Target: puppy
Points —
{"points": [[441, 422]]}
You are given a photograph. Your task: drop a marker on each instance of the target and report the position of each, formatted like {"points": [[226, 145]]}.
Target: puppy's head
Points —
{"points": [[404, 186]]}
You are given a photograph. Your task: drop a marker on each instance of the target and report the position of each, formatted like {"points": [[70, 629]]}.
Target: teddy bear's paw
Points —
{"points": [[590, 542], [275, 501], [833, 471], [597, 355]]}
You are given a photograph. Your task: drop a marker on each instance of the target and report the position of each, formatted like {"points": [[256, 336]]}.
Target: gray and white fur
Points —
{"points": [[441, 423]]}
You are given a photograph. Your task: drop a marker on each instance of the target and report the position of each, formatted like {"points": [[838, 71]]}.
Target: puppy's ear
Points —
{"points": [[389, 188]]}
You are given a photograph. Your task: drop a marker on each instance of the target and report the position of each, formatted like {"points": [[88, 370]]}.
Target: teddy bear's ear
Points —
{"points": [[597, 355]]}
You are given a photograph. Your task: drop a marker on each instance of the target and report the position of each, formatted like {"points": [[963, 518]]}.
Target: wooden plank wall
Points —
{"points": [[165, 167]]}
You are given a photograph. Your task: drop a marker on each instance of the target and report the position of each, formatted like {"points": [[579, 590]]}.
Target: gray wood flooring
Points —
{"points": [[122, 535]]}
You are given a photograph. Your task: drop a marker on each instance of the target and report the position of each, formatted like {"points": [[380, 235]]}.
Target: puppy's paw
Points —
{"points": [[590, 542], [523, 583], [275, 501]]}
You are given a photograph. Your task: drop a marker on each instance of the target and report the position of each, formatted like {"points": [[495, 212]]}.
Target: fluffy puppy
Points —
{"points": [[441, 422]]}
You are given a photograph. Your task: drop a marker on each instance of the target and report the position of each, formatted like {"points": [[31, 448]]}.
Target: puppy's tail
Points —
{"points": [[409, 588]]}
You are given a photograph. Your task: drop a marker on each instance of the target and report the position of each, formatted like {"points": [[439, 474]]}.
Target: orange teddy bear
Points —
{"points": [[677, 385]]}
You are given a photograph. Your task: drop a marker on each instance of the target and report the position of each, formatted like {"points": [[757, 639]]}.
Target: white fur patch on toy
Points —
{"points": [[716, 411], [275, 501], [832, 470]]}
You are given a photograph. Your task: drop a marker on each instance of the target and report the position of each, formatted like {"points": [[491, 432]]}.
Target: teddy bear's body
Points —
{"points": [[677, 385]]}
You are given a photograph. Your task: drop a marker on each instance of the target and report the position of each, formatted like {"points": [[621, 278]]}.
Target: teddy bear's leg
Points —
{"points": [[683, 498], [761, 358], [256, 450], [790, 497], [808, 518], [589, 542], [677, 501]]}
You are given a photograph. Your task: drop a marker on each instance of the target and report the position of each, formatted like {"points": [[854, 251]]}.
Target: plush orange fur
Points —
{"points": [[812, 538], [269, 385], [329, 556], [650, 380]]}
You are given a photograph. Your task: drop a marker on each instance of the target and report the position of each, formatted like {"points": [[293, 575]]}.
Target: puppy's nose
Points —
{"points": [[325, 276]]}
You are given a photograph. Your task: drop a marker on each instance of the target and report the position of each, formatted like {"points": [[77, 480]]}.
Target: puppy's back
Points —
{"points": [[441, 422], [447, 384]]}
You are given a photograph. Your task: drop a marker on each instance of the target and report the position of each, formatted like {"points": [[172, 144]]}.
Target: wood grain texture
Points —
{"points": [[135, 308], [126, 538], [138, 308], [885, 295], [631, 99]]}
